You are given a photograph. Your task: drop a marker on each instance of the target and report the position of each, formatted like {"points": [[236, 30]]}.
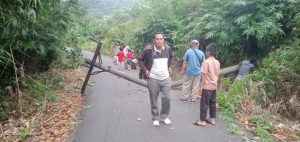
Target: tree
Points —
{"points": [[33, 33]]}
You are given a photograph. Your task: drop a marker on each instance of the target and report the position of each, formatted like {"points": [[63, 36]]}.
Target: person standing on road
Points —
{"points": [[121, 58], [155, 62], [191, 68], [125, 50], [116, 51], [129, 58], [210, 74]]}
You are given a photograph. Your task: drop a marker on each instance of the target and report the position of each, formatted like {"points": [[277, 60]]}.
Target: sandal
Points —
{"points": [[207, 121], [183, 99], [197, 123]]}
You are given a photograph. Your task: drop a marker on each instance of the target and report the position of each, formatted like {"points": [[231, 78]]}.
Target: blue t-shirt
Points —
{"points": [[193, 66]]}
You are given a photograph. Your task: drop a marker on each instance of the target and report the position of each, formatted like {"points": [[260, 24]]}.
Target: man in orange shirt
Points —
{"points": [[209, 80]]}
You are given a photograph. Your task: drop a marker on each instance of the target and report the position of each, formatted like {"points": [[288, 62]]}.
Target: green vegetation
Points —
{"points": [[25, 132], [229, 99], [276, 86], [280, 73], [263, 128], [241, 28], [232, 128], [35, 35], [39, 89]]}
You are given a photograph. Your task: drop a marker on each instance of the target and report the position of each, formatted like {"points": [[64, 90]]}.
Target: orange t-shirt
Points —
{"points": [[210, 70]]}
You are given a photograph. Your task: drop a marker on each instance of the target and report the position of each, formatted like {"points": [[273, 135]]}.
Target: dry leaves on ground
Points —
{"points": [[56, 120], [283, 130]]}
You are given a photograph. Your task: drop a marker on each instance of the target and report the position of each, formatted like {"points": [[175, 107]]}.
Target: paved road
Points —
{"points": [[117, 110]]}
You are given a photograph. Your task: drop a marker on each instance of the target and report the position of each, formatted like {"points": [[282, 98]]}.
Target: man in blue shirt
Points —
{"points": [[191, 68]]}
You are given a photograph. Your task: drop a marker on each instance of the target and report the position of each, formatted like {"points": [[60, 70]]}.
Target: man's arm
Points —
{"points": [[203, 77], [171, 60], [143, 66], [184, 63], [183, 67], [142, 58], [204, 70]]}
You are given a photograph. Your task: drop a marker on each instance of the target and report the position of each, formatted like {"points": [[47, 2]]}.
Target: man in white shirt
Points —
{"points": [[155, 63]]}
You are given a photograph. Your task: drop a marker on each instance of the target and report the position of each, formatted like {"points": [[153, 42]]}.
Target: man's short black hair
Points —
{"points": [[212, 49], [158, 33], [253, 60]]}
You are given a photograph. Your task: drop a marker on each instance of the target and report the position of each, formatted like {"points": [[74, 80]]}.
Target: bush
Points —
{"points": [[229, 100], [263, 128], [33, 35], [280, 74]]}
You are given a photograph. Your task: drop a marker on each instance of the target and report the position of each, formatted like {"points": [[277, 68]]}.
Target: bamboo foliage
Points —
{"points": [[241, 28], [36, 31]]}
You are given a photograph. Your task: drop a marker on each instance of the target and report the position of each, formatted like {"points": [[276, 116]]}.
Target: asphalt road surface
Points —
{"points": [[117, 110]]}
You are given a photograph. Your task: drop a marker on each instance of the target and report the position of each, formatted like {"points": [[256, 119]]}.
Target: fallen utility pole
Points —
{"points": [[227, 70], [116, 72]]}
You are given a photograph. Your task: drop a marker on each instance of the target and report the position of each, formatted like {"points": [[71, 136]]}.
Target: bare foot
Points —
{"points": [[199, 123], [211, 121]]}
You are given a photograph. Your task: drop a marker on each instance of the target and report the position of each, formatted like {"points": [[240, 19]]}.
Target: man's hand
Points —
{"points": [[170, 71], [200, 91], [183, 67], [147, 73], [183, 72]]}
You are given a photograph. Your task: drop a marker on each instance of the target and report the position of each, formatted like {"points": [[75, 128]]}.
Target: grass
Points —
{"points": [[39, 88], [263, 128], [232, 128], [25, 132], [230, 100], [91, 46]]}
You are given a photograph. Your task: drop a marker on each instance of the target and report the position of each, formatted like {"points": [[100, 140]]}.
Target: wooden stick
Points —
{"points": [[17, 83], [50, 118]]}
